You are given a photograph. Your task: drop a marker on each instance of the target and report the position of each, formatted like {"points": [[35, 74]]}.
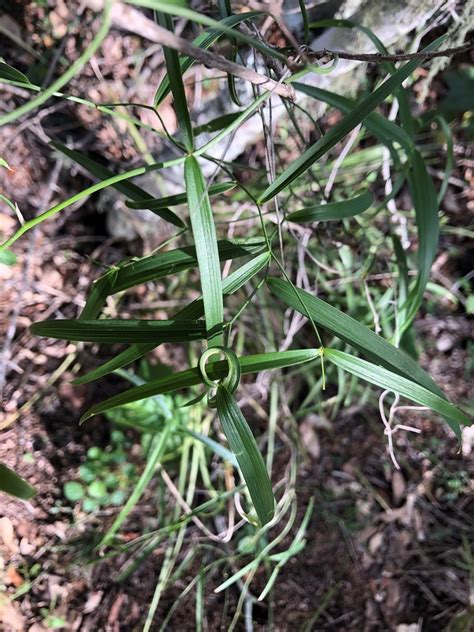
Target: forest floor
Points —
{"points": [[386, 549]]}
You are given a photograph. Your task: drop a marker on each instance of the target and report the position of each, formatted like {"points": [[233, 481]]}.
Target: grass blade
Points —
{"points": [[398, 384], [129, 189], [249, 458], [204, 232], [425, 202], [110, 182], [173, 200], [333, 210], [66, 76], [12, 484], [157, 451], [384, 130], [175, 78], [216, 124], [353, 333], [126, 357], [339, 131], [192, 377], [115, 330]]}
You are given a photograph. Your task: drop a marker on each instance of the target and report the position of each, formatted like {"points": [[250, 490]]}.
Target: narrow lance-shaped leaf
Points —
{"points": [[216, 124], [333, 210], [116, 330], [14, 485], [398, 384], [175, 76], [205, 240], [339, 131], [192, 311], [181, 198], [354, 333], [132, 273], [12, 74], [384, 130], [244, 446], [425, 202], [192, 377], [129, 189]]}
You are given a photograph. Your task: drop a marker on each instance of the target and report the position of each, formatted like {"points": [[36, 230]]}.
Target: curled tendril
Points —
{"points": [[231, 381]]}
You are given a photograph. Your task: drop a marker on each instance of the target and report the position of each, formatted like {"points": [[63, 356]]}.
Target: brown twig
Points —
{"points": [[378, 58], [209, 59]]}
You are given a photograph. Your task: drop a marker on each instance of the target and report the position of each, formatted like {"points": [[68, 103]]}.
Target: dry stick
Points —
{"points": [[379, 58], [211, 60]]}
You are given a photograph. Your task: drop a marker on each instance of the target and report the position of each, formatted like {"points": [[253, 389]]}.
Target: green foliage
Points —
{"points": [[176, 428], [14, 485]]}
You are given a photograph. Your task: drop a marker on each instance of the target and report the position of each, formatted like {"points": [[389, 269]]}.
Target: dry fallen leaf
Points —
{"points": [[13, 577]]}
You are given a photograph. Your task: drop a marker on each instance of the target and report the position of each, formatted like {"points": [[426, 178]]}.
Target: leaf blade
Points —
{"points": [[243, 445], [191, 377], [353, 333], [339, 131], [14, 485], [391, 381], [117, 330], [333, 210], [207, 254]]}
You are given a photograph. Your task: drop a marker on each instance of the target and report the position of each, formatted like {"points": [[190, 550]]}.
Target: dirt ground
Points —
{"points": [[386, 549]]}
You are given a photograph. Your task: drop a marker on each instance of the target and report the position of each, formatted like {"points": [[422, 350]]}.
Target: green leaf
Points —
{"points": [[97, 489], [398, 384], [217, 123], [12, 74], [129, 189], [333, 210], [219, 449], [135, 272], [384, 130], [339, 131], [116, 330], [426, 206], [175, 78], [181, 198], [14, 485], [156, 453], [204, 232], [7, 258], [353, 333], [192, 377], [73, 491], [244, 446], [204, 40], [194, 310]]}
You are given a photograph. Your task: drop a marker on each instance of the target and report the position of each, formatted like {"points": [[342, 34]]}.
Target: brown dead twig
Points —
{"points": [[125, 17], [378, 58]]}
